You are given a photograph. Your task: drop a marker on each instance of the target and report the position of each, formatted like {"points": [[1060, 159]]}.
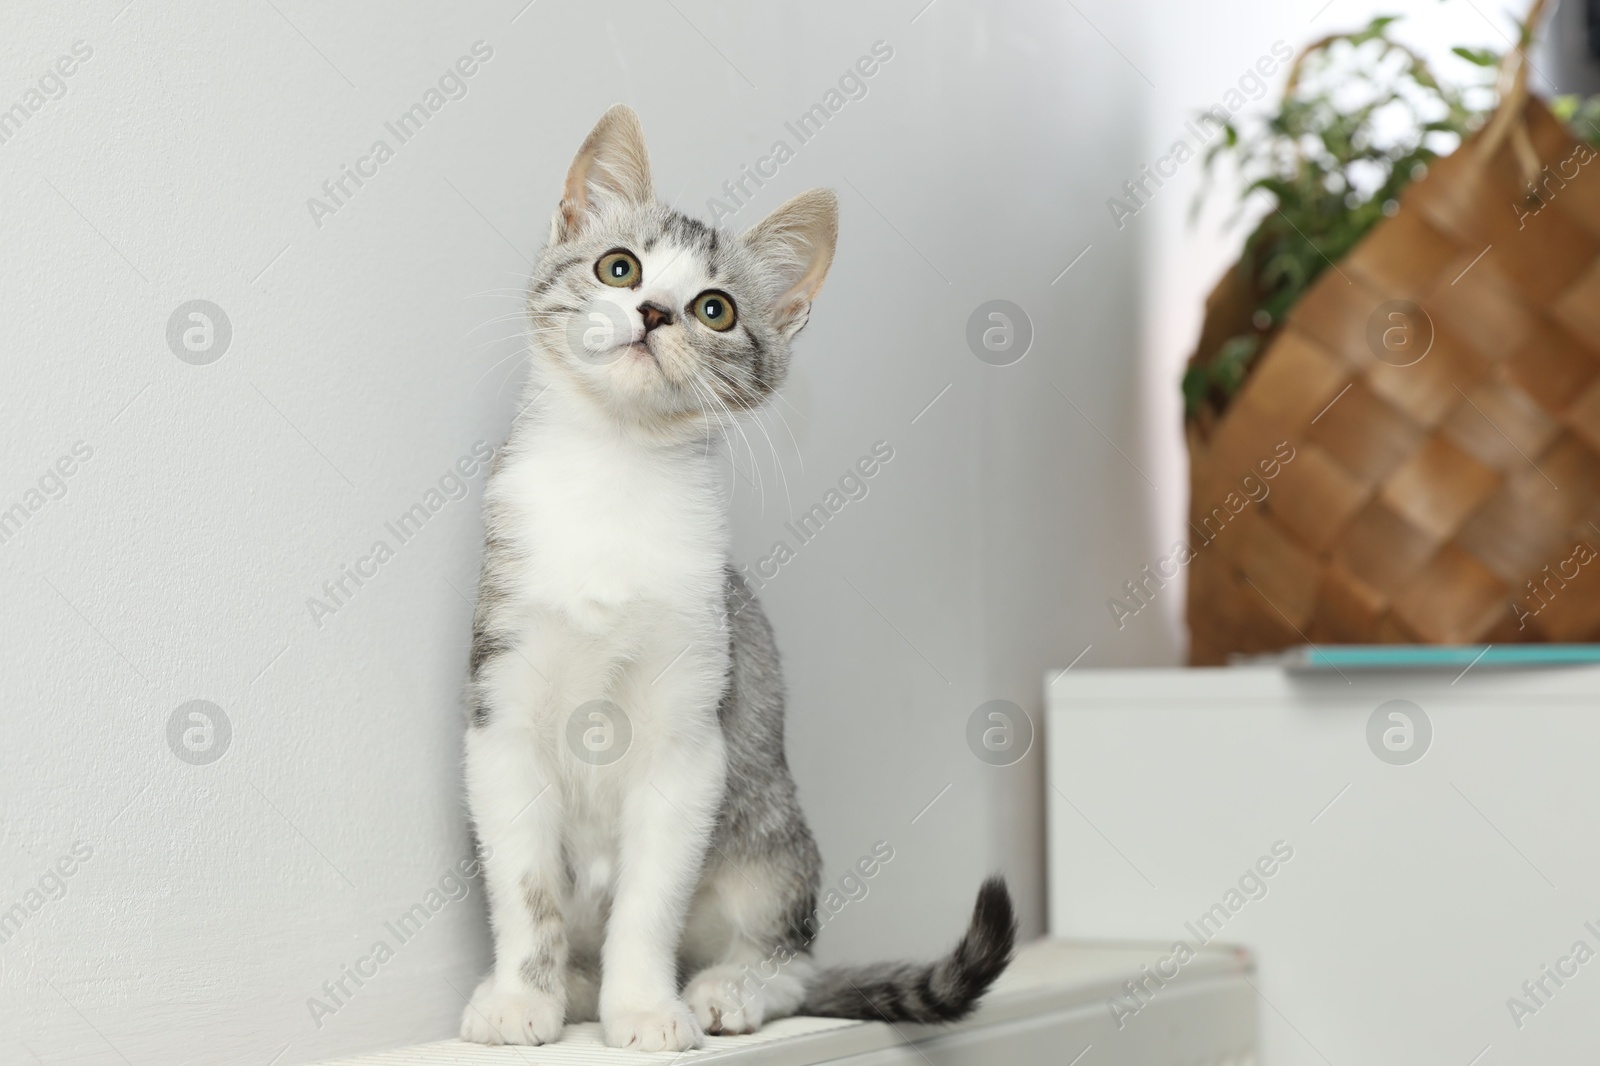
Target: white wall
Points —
{"points": [[1418, 898], [367, 357]]}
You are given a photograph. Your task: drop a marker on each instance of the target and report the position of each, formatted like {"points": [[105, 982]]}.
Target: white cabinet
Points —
{"points": [[1421, 892]]}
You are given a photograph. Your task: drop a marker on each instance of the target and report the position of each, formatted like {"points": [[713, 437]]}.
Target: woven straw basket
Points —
{"points": [[1452, 500]]}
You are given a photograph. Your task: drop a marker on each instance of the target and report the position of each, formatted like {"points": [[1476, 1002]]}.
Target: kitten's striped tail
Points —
{"points": [[940, 991]]}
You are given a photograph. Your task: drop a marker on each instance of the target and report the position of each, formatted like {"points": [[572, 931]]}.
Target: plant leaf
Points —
{"points": [[1482, 57]]}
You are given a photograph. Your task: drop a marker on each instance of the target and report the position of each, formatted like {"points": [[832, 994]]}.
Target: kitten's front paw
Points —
{"points": [[719, 1003], [495, 1017], [671, 1028]]}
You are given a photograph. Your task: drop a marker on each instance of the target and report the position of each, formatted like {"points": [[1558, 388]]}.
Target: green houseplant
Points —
{"points": [[1361, 117]]}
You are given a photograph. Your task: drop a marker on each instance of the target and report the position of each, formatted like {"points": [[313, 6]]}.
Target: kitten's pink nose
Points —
{"points": [[654, 315]]}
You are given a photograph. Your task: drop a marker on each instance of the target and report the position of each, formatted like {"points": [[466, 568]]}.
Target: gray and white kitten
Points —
{"points": [[624, 762]]}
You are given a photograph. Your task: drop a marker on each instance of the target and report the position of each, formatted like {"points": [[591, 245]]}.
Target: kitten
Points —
{"points": [[607, 611]]}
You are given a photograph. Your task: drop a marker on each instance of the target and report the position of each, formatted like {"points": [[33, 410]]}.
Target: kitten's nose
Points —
{"points": [[654, 315]]}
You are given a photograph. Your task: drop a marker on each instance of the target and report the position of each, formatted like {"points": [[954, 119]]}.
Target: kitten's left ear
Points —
{"points": [[796, 241], [612, 164]]}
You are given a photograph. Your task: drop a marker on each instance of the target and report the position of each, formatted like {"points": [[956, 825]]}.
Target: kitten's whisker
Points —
{"points": [[755, 464], [778, 395], [476, 346], [497, 364], [510, 316], [502, 294], [701, 395], [734, 418], [509, 375], [801, 459], [741, 389], [720, 406], [711, 436], [777, 460], [704, 394]]}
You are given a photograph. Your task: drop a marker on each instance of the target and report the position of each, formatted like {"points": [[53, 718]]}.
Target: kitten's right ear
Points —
{"points": [[612, 164]]}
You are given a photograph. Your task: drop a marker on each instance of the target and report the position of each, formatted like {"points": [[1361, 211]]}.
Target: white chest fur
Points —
{"points": [[603, 526]]}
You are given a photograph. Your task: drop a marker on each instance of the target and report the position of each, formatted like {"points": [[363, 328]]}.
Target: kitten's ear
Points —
{"points": [[612, 164], [796, 241]]}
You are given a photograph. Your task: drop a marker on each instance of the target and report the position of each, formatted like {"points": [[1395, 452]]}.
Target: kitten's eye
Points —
{"points": [[618, 267], [715, 309]]}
